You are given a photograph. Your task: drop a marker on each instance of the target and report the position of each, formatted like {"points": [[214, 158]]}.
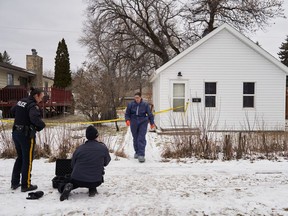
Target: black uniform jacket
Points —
{"points": [[27, 113], [88, 161]]}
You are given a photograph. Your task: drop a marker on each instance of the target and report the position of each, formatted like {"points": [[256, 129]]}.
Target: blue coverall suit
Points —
{"points": [[27, 122], [139, 116]]}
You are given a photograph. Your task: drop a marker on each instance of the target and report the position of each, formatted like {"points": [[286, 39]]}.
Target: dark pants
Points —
{"points": [[25, 153], [139, 130], [77, 184]]}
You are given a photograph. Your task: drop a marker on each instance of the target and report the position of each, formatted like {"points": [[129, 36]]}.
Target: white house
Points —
{"points": [[223, 82]]}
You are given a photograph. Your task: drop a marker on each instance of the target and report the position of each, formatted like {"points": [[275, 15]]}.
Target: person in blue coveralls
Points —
{"points": [[137, 116]]}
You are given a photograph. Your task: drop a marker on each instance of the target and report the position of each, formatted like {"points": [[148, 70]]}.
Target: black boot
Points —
{"points": [[30, 188], [92, 192], [67, 189], [15, 186]]}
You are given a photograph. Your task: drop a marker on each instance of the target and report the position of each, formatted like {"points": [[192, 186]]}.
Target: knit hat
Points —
{"points": [[34, 91], [91, 133]]}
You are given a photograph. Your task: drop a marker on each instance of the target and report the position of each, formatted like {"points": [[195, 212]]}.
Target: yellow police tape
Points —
{"points": [[102, 121], [7, 120]]}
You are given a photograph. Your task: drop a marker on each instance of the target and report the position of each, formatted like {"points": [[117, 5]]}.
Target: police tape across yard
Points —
{"points": [[102, 121]]}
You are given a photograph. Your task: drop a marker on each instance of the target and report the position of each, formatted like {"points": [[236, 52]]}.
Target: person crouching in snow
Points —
{"points": [[137, 116], [88, 162]]}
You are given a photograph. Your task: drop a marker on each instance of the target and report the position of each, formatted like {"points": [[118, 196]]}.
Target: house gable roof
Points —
{"points": [[234, 32], [16, 69]]}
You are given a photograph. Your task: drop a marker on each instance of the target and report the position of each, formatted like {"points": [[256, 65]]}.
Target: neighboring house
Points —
{"points": [[223, 82], [15, 83], [47, 82], [11, 75]]}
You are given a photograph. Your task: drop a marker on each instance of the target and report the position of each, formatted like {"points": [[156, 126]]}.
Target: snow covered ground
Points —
{"points": [[159, 188]]}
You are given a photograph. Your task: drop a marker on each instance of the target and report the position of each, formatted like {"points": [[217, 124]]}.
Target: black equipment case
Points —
{"points": [[63, 172]]}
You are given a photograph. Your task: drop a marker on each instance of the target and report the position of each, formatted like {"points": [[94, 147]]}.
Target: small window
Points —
{"points": [[248, 88], [10, 79], [178, 97], [248, 94], [210, 94]]}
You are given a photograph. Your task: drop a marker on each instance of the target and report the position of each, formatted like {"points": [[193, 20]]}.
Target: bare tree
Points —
{"points": [[114, 62], [85, 91], [49, 73], [128, 39], [150, 24], [123, 65], [202, 16]]}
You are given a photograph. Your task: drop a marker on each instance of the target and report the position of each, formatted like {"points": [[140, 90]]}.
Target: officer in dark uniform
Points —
{"points": [[27, 122]]}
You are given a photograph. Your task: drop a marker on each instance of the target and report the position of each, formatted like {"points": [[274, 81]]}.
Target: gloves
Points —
{"points": [[35, 195], [127, 123], [152, 126]]}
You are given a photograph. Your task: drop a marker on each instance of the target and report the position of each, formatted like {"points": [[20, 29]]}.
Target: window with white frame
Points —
{"points": [[10, 79], [248, 95], [210, 94], [178, 97]]}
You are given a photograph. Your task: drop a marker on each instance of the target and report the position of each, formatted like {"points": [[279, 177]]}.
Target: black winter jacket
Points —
{"points": [[27, 113], [88, 161]]}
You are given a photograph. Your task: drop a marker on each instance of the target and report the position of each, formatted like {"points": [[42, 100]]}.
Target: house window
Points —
{"points": [[210, 94], [10, 79], [248, 94], [178, 97]]}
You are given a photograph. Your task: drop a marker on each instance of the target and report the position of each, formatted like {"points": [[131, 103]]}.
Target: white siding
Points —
{"points": [[229, 62], [50, 82], [4, 78], [16, 79], [155, 98]]}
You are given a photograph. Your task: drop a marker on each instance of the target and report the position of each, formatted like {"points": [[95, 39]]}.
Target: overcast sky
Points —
{"points": [[27, 24]]}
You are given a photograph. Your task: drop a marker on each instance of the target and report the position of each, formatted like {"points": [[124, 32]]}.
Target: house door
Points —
{"points": [[179, 99]]}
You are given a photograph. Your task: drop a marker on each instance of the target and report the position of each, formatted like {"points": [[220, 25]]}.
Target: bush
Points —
{"points": [[232, 145], [7, 149]]}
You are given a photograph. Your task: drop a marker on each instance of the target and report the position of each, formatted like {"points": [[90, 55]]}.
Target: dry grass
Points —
{"points": [[42, 151], [8, 149], [121, 153], [59, 140], [67, 118], [113, 140], [244, 145], [190, 145]]}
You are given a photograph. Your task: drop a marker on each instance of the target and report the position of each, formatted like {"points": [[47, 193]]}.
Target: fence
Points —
{"points": [[54, 97]]}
